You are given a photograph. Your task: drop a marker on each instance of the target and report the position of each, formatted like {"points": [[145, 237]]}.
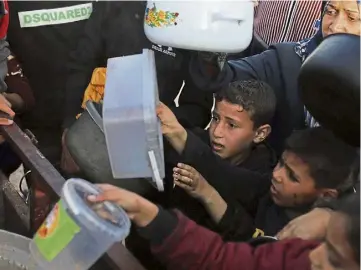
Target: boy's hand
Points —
{"points": [[140, 211], [16, 101], [170, 124], [171, 128], [192, 181], [5, 106], [311, 226]]}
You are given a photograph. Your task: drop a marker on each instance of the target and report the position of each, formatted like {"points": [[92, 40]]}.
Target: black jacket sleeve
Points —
{"points": [[232, 183], [236, 224], [264, 67]]}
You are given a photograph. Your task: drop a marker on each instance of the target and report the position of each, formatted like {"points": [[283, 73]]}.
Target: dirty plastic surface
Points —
{"points": [[131, 127], [14, 252], [95, 228]]}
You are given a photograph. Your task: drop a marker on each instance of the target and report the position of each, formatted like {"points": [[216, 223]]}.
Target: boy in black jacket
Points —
{"points": [[237, 134], [314, 166]]}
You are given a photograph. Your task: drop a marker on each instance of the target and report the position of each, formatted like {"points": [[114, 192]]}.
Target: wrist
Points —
{"points": [[178, 139], [207, 195], [177, 133], [148, 213]]}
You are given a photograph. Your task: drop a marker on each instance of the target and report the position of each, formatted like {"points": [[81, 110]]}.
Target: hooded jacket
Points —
{"points": [[179, 243]]}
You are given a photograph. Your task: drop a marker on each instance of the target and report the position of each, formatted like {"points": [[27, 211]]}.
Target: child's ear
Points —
{"points": [[329, 193], [262, 133]]}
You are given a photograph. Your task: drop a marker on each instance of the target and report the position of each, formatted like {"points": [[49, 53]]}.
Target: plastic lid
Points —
{"points": [[106, 216]]}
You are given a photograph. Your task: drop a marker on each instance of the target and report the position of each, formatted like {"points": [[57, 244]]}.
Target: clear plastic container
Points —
{"points": [[76, 232], [131, 127]]}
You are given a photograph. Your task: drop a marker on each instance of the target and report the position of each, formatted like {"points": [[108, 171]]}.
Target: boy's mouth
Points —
{"points": [[217, 146]]}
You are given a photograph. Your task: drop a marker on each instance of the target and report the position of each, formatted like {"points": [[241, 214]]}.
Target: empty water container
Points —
{"points": [[77, 232], [202, 25], [131, 127]]}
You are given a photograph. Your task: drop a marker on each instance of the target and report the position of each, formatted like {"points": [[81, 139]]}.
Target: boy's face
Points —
{"points": [[231, 130], [292, 184]]}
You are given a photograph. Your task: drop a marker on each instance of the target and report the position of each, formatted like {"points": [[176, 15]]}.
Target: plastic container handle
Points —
{"points": [[94, 114], [221, 17], [218, 16]]}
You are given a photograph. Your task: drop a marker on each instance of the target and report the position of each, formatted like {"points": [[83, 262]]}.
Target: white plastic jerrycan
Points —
{"points": [[202, 25]]}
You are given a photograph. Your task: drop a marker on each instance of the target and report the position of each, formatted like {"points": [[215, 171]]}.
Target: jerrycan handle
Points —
{"points": [[234, 15]]}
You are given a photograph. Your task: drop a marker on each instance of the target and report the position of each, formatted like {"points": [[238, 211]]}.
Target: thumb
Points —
{"points": [[160, 107]]}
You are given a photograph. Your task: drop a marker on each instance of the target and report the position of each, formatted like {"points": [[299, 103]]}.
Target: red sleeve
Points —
{"points": [[193, 247], [4, 21]]}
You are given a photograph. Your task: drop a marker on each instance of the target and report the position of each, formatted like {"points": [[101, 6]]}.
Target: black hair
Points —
{"points": [[332, 163], [350, 207], [256, 97]]}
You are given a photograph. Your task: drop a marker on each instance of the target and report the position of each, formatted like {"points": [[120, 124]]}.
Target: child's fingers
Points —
{"points": [[184, 179], [181, 185], [186, 167], [183, 172], [105, 187], [286, 232]]}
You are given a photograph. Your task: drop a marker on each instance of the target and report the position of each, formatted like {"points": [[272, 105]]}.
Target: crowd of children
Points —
{"points": [[263, 164]]}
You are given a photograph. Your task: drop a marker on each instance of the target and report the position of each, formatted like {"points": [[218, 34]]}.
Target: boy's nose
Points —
{"points": [[218, 131]]}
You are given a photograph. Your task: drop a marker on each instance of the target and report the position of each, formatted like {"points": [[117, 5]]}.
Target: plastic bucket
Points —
{"points": [[76, 233]]}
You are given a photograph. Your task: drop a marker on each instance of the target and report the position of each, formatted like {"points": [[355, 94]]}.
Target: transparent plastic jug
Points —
{"points": [[77, 232]]}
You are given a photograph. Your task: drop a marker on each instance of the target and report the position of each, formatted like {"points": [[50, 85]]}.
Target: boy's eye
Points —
{"points": [[292, 177], [232, 125]]}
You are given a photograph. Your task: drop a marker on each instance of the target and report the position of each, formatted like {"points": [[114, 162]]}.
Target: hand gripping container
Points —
{"points": [[224, 26], [77, 232], [131, 127]]}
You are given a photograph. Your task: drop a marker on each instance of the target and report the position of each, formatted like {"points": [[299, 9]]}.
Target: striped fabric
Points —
{"points": [[286, 20]]}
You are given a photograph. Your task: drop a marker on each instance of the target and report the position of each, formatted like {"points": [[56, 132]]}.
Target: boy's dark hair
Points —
{"points": [[350, 206], [256, 97], [332, 163]]}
